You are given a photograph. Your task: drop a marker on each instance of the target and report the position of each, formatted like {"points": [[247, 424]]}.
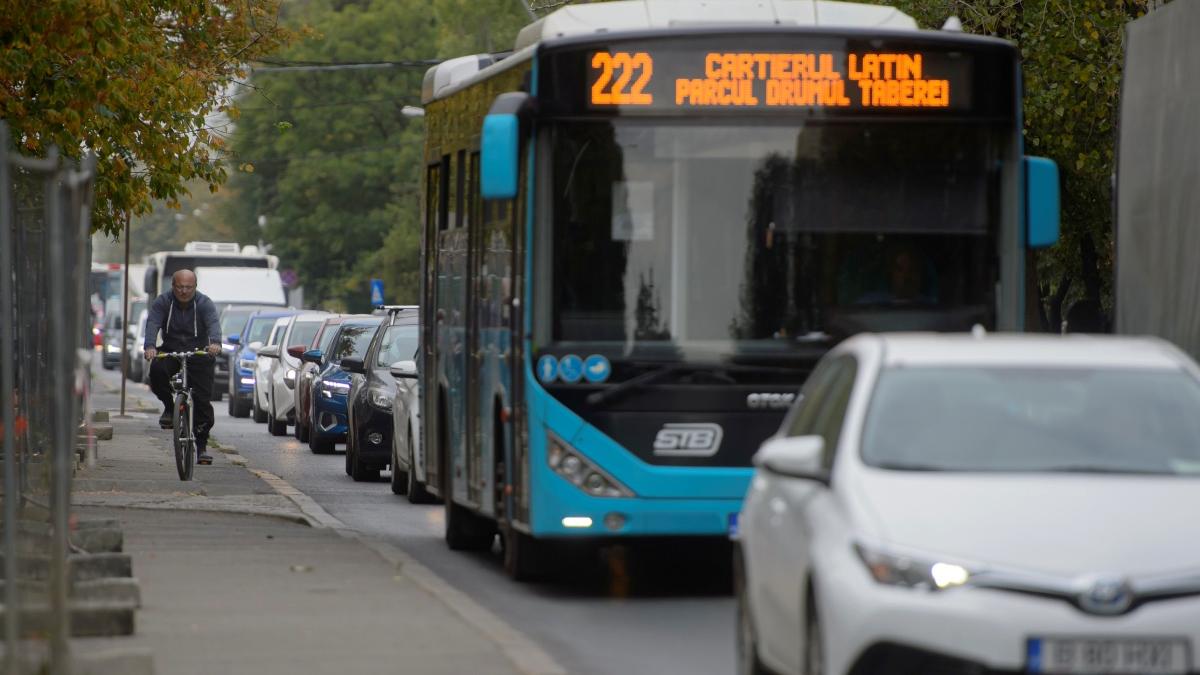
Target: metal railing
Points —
{"points": [[45, 346]]}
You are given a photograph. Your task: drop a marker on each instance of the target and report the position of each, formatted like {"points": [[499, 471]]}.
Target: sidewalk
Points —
{"points": [[234, 581]]}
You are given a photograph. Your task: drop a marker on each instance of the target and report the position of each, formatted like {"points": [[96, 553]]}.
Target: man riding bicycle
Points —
{"points": [[188, 321]]}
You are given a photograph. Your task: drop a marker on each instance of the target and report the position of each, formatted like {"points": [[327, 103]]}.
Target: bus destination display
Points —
{"points": [[853, 80]]}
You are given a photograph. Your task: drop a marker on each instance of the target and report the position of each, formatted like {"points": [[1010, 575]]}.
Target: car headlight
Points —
{"points": [[572, 465], [911, 572], [380, 399], [289, 378], [245, 364]]}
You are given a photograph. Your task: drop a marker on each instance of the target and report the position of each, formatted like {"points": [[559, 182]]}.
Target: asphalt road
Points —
{"points": [[672, 613]]}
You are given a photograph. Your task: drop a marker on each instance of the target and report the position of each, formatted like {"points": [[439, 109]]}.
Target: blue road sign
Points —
{"points": [[570, 368], [547, 368], [376, 292], [596, 368]]}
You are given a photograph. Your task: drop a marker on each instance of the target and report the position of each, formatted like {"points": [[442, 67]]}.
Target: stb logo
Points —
{"points": [[688, 440]]}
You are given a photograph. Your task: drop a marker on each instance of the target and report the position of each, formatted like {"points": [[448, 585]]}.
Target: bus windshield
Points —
{"points": [[706, 240]]}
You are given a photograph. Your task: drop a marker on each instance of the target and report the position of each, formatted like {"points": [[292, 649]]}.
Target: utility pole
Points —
{"points": [[125, 318]]}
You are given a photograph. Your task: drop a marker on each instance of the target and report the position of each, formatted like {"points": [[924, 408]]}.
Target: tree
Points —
{"points": [[327, 155], [131, 80], [1072, 54]]}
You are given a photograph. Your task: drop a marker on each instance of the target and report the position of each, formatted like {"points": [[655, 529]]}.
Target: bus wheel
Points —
{"points": [[525, 558], [466, 531]]}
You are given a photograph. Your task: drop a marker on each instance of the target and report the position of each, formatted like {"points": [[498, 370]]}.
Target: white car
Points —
{"points": [[978, 503], [280, 389], [408, 465], [263, 365]]}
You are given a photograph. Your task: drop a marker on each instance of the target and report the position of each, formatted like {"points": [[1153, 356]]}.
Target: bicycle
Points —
{"points": [[183, 435]]}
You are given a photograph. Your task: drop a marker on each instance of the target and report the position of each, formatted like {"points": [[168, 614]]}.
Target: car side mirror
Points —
{"points": [[296, 351], [404, 370], [270, 351], [234, 339], [353, 366], [311, 356], [794, 457], [256, 345]]}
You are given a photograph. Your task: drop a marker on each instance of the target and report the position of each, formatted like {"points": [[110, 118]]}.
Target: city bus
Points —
{"points": [[645, 224]]}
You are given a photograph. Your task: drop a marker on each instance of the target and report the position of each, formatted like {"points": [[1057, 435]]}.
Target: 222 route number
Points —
{"points": [[623, 78]]}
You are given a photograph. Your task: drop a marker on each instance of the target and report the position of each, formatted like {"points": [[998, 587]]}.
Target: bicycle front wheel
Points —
{"points": [[181, 433]]}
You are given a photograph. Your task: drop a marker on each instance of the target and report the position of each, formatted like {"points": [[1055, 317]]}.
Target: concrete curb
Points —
{"points": [[525, 655]]}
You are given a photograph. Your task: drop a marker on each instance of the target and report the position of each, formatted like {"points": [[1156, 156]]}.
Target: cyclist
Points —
{"points": [[187, 320]]}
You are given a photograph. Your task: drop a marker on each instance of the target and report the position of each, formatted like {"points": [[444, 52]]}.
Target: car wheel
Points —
{"points": [[238, 408], [748, 662], [399, 478], [359, 471], [417, 494], [276, 426], [260, 415], [814, 645]]}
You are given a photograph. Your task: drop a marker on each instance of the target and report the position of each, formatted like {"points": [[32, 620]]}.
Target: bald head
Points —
{"points": [[183, 285]]}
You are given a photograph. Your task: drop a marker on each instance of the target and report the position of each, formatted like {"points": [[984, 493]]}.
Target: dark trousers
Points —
{"points": [[200, 380]]}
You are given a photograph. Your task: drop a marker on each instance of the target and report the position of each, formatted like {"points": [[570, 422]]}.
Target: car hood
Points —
{"points": [[1062, 523]]}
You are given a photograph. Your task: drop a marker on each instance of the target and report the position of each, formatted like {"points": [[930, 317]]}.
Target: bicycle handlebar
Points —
{"points": [[180, 355]]}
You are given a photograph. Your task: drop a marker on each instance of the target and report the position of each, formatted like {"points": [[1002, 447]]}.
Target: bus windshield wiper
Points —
{"points": [[647, 378]]}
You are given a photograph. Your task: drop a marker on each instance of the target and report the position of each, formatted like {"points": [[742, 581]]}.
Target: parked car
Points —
{"points": [[977, 504], [264, 366], [298, 332], [136, 349], [113, 336], [373, 390], [310, 365], [331, 386], [233, 318], [408, 466], [253, 336]]}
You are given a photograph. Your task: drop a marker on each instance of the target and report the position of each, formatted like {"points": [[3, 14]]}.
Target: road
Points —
{"points": [[674, 615]]}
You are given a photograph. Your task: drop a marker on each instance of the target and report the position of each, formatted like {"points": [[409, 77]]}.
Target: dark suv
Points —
{"points": [[372, 390]]}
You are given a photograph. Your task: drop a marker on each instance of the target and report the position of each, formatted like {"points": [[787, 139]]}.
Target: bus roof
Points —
{"points": [[639, 15], [629, 16]]}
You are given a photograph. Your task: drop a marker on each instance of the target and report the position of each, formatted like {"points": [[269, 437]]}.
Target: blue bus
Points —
{"points": [[642, 229]]}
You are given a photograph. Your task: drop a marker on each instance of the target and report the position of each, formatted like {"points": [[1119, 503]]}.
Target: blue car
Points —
{"points": [[241, 360], [331, 386]]}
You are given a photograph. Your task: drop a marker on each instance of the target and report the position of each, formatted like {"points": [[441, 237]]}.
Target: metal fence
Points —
{"points": [[45, 347]]}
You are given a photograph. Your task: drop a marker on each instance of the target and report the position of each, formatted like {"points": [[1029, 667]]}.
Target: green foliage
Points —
{"points": [[327, 156], [1072, 56], [477, 26], [132, 80]]}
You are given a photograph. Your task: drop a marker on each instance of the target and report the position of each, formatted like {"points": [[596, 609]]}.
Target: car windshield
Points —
{"points": [[399, 344], [669, 238], [352, 342], [234, 319], [327, 337], [1107, 420], [303, 333], [260, 329]]}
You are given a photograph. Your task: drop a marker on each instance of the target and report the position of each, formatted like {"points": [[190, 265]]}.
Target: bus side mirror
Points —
{"points": [[1041, 202], [150, 281], [500, 146]]}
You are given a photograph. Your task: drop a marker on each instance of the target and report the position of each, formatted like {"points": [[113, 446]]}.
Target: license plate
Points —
{"points": [[1109, 656]]}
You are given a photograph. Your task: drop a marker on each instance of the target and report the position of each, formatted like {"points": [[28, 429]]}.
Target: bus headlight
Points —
{"points": [[573, 466]]}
